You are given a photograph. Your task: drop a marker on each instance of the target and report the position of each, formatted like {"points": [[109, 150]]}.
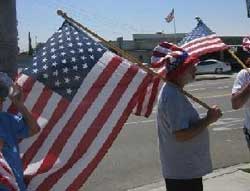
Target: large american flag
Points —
{"points": [[201, 40], [81, 95]]}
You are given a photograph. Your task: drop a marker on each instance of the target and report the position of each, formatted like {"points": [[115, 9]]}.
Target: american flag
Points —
{"points": [[81, 95], [170, 16], [202, 41], [246, 44]]}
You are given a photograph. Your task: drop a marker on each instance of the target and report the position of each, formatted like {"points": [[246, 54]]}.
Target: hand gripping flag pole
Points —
{"points": [[126, 55], [238, 60]]}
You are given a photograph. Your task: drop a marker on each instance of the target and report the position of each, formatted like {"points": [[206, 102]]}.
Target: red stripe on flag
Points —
{"points": [[41, 102], [141, 99], [93, 130], [6, 168], [83, 176], [152, 98]]}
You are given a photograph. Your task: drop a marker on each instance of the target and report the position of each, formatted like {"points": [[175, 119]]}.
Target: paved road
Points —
{"points": [[133, 159]]}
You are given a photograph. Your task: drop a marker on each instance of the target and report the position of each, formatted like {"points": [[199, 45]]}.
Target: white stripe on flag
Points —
{"points": [[146, 100], [31, 99]]}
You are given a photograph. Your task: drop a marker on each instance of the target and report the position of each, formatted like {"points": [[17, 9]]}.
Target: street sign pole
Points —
{"points": [[8, 37], [248, 8]]}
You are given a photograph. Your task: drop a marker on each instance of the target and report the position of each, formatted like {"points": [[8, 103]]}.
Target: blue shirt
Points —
{"points": [[12, 129]]}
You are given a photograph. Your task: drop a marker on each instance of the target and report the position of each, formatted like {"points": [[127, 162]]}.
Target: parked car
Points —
{"points": [[212, 66]]}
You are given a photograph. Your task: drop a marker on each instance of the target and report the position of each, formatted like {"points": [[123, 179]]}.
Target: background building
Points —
{"points": [[141, 46]]}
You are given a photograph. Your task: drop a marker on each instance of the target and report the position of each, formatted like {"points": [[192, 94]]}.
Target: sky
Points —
{"points": [[123, 18]]}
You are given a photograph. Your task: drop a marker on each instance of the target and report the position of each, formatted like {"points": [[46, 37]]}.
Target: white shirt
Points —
{"points": [[242, 79]]}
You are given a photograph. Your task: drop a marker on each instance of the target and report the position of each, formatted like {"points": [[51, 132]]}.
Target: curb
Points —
{"points": [[211, 77], [160, 186]]}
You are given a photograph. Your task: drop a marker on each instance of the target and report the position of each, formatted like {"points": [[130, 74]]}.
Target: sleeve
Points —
{"points": [[174, 111], [20, 127], [3, 134], [239, 82]]}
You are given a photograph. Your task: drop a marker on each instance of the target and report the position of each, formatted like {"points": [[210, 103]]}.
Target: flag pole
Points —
{"points": [[238, 60], [174, 26], [126, 55]]}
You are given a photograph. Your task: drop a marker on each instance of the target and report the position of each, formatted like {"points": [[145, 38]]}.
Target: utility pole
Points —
{"points": [[8, 37], [248, 8]]}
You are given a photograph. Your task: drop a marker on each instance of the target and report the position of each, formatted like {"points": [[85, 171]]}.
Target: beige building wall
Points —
{"points": [[142, 45]]}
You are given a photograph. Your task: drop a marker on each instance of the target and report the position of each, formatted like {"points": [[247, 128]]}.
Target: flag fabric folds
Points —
{"points": [[246, 44], [201, 40], [148, 98], [81, 95], [170, 16]]}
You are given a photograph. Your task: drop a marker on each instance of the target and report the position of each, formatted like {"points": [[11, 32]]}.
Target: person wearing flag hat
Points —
{"points": [[13, 128], [240, 97], [183, 134]]}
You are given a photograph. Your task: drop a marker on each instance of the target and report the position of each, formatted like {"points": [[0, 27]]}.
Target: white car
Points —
{"points": [[212, 66]]}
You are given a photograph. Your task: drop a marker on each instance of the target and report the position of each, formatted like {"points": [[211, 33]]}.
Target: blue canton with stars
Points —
{"points": [[201, 30], [65, 60]]}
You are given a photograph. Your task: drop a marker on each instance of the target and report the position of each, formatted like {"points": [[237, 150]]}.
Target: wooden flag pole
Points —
{"points": [[238, 60], [125, 55]]}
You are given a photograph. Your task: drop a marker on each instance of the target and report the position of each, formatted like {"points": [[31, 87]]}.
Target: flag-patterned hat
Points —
{"points": [[246, 44], [174, 59]]}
